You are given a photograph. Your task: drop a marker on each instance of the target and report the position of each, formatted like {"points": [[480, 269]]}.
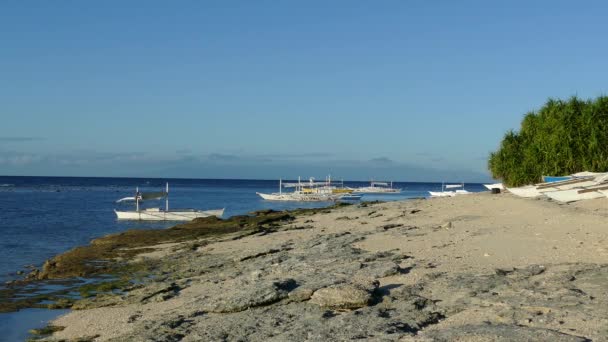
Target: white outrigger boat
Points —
{"points": [[578, 194], [494, 186], [449, 193], [577, 182], [305, 192], [159, 214], [378, 188]]}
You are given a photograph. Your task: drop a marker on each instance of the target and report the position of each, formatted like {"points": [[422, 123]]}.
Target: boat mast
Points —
{"points": [[167, 197], [280, 186]]}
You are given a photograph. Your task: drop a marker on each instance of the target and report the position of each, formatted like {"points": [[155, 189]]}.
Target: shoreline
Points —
{"points": [[481, 264], [112, 263]]}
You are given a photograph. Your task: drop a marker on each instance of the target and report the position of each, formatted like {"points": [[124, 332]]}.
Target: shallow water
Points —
{"points": [[44, 216], [15, 326]]}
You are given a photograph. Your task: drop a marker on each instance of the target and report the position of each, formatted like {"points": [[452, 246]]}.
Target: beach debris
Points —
{"points": [[413, 211], [447, 225]]}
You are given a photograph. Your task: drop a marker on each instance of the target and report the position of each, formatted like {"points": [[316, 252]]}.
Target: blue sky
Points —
{"points": [[403, 90]]}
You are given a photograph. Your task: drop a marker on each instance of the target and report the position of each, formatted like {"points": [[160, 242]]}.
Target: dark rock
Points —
{"points": [[500, 333], [504, 271]]}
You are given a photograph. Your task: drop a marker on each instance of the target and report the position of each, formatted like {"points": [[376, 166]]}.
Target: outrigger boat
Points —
{"points": [[577, 182], [494, 186], [159, 214], [378, 188], [305, 192], [449, 193]]}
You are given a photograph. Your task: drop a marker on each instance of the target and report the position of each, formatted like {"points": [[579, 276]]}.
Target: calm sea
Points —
{"points": [[43, 216]]}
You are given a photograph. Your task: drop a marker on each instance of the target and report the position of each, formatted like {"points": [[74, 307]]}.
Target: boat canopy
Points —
{"points": [[380, 183], [152, 195], [126, 199], [304, 184]]}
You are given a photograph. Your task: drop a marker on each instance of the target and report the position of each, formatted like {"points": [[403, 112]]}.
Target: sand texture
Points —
{"points": [[472, 268]]}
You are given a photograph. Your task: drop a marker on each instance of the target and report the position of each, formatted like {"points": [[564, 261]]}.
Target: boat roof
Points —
{"points": [[306, 184], [153, 195]]}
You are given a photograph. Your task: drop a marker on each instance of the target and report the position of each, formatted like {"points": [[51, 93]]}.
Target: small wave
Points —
{"points": [[6, 185]]}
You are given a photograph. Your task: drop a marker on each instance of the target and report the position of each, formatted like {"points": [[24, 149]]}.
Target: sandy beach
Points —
{"points": [[480, 267]]}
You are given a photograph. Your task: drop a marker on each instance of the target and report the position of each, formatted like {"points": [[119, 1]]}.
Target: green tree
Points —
{"points": [[562, 138]]}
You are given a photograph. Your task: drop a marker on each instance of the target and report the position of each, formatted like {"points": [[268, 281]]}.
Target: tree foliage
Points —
{"points": [[562, 138]]}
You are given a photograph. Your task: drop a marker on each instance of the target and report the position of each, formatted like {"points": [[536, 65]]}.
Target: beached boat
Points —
{"points": [[551, 179], [160, 214], [304, 192], [449, 193], [525, 191], [494, 186], [542, 188], [578, 194], [378, 188]]}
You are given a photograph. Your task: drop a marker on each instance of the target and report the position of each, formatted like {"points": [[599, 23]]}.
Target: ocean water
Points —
{"points": [[44, 216]]}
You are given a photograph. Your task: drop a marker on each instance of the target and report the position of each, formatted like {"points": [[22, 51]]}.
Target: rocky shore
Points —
{"points": [[473, 268]]}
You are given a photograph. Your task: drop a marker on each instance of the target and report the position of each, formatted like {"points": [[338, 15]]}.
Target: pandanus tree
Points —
{"points": [[561, 138]]}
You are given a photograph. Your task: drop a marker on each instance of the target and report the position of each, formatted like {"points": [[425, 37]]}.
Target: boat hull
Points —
{"points": [[171, 215], [303, 197], [551, 179], [525, 191], [494, 186], [375, 190], [573, 195], [442, 193]]}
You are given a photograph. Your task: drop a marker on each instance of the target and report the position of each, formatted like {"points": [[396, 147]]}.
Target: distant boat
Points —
{"points": [[378, 188], [449, 193], [351, 197], [159, 214], [304, 192]]}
